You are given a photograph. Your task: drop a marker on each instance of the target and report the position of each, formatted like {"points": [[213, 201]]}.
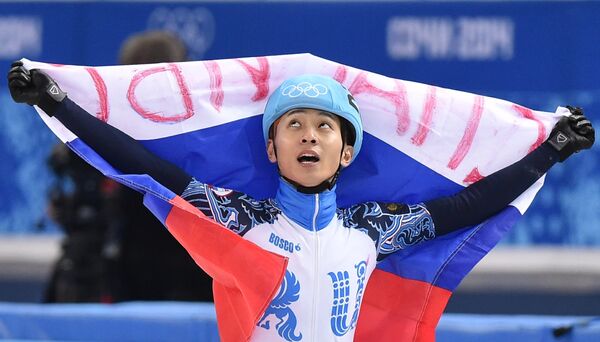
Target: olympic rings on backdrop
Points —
{"points": [[304, 88]]}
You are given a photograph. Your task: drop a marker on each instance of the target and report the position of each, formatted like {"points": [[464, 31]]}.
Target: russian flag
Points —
{"points": [[420, 142]]}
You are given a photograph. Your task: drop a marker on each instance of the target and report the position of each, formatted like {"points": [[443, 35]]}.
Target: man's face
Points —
{"points": [[309, 145]]}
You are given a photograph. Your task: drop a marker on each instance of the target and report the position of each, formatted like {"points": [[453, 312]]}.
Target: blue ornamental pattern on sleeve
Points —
{"points": [[391, 226], [289, 292], [234, 210], [407, 230]]}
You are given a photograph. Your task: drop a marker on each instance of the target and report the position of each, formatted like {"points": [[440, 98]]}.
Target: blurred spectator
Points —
{"points": [[152, 47], [115, 249], [83, 203]]}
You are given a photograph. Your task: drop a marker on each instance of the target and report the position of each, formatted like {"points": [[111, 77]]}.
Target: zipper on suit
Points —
{"points": [[316, 270]]}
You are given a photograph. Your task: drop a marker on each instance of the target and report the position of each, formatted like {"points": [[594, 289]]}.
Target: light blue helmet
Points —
{"points": [[314, 92]]}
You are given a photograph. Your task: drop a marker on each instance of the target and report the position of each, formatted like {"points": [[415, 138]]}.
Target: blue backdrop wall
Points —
{"points": [[538, 54]]}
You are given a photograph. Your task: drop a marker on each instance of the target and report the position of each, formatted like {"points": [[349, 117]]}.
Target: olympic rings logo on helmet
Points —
{"points": [[304, 88]]}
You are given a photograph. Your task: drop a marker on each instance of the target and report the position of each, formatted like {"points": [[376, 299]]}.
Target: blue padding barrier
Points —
{"points": [[171, 321], [502, 328], [135, 321]]}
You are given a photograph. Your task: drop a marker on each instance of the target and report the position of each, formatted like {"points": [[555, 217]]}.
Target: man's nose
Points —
{"points": [[309, 136]]}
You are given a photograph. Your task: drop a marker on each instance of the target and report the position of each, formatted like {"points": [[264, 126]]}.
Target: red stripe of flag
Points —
{"points": [[400, 309], [245, 276]]}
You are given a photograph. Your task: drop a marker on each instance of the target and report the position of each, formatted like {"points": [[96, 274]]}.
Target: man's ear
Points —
{"points": [[347, 154], [271, 151]]}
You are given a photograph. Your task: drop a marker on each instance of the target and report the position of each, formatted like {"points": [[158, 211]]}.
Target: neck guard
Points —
{"points": [[311, 211]]}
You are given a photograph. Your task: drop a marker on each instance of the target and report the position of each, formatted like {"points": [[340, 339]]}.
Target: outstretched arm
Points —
{"points": [[395, 226], [234, 210], [488, 196], [120, 150]]}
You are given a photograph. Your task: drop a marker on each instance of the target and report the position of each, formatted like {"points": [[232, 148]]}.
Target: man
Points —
{"points": [[313, 130]]}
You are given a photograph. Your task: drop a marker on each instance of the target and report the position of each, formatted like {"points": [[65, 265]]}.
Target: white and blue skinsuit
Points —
{"points": [[332, 251]]}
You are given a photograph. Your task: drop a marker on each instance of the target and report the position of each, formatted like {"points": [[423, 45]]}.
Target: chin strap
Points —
{"points": [[327, 184]]}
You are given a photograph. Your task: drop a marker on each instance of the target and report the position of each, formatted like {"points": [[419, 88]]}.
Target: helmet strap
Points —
{"points": [[327, 184]]}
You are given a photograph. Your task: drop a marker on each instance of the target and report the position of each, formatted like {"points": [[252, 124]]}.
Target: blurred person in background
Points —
{"points": [[82, 202], [115, 249]]}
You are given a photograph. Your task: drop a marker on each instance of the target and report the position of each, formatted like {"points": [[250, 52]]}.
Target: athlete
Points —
{"points": [[312, 128]]}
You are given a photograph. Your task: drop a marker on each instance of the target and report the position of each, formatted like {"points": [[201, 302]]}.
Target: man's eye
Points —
{"points": [[294, 124], [325, 125]]}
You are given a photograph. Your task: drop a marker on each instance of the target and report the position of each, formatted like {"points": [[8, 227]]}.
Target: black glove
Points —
{"points": [[572, 134], [34, 88]]}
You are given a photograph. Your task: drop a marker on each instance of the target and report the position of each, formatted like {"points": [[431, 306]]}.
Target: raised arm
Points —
{"points": [[117, 148], [488, 196], [395, 226], [234, 210]]}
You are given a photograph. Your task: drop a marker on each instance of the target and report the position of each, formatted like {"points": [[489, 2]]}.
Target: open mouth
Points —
{"points": [[308, 158]]}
